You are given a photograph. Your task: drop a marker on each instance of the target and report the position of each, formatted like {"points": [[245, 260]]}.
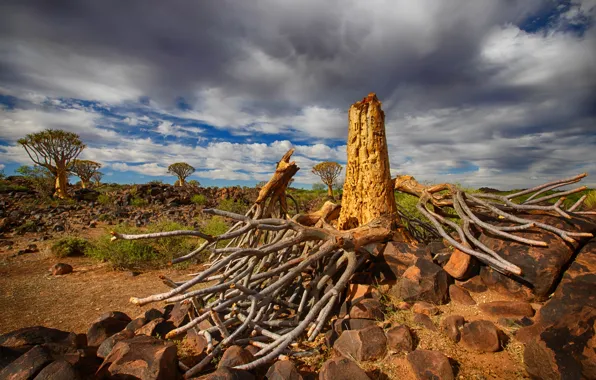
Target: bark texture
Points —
{"points": [[368, 189], [61, 183]]}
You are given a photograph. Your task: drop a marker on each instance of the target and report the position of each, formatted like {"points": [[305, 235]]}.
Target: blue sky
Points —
{"points": [[483, 93]]}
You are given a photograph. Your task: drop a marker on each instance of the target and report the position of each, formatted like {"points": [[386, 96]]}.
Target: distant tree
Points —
{"points": [[96, 178], [318, 187], [2, 175], [261, 184], [40, 178], [328, 171], [182, 170], [84, 169], [194, 182], [54, 150]]}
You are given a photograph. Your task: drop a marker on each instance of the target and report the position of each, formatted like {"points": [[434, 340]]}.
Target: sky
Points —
{"points": [[498, 93]]}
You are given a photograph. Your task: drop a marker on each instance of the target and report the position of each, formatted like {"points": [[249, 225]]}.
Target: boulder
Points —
{"points": [[427, 364], [541, 266], [60, 269], [451, 326], [28, 365], [461, 265], [424, 281], [340, 325], [399, 339], [367, 308], [424, 320], [234, 356], [562, 342], [58, 370], [474, 285], [342, 368], [507, 309], [369, 343], [22, 340], [425, 308], [179, 314], [141, 357], [460, 295], [108, 344], [226, 373], [283, 370], [107, 325], [481, 336], [396, 258]]}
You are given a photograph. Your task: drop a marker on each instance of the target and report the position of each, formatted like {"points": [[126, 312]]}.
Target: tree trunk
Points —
{"points": [[368, 189], [61, 183], [330, 192], [83, 184], [180, 182]]}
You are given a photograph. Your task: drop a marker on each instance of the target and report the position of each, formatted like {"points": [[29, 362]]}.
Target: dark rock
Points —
{"points": [[136, 324], [430, 365], [399, 339], [481, 336], [283, 370], [58, 228], [424, 281], [104, 328], [460, 295], [234, 356], [24, 339], [505, 285], [108, 344], [152, 314], [194, 346], [225, 373], [7, 356], [562, 342], [58, 370], [60, 269], [425, 308], [179, 314], [367, 309], [474, 285], [507, 309], [150, 327], [451, 326], [396, 258], [84, 361], [28, 365], [366, 344], [342, 368], [424, 320], [142, 357], [541, 266]]}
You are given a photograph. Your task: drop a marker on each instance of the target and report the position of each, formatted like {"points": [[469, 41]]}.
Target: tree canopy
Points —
{"points": [[182, 170], [84, 169], [328, 171]]}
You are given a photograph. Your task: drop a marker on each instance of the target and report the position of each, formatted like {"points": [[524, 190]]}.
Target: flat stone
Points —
{"points": [[425, 308], [342, 368], [22, 340], [427, 364], [234, 356], [366, 344], [58, 370], [367, 309], [424, 320], [283, 370], [451, 326], [460, 264], [508, 309], [481, 336], [27, 365], [399, 339], [474, 285], [108, 344], [460, 296]]}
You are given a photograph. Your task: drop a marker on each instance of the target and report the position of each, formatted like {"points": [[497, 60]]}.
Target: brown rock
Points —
{"points": [[424, 320], [150, 327], [505, 285], [27, 365], [60, 269], [451, 327], [399, 338], [136, 324], [367, 309], [541, 266], [58, 370], [460, 264], [194, 346], [460, 295], [234, 356], [430, 365], [283, 370], [179, 314], [562, 342], [357, 292], [395, 259], [341, 368], [425, 308], [481, 336], [142, 357], [424, 281], [24, 339], [508, 309], [366, 344], [108, 344], [474, 285], [340, 325], [225, 373], [152, 314], [105, 328]]}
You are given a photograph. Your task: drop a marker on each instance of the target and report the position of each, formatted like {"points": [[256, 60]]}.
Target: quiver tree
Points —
{"points": [[278, 280], [328, 171], [54, 150], [182, 170], [84, 169], [96, 178]]}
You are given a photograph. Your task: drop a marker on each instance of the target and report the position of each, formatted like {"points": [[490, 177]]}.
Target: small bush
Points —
{"points": [[69, 246], [138, 202], [104, 200], [28, 226], [199, 199], [237, 207], [590, 201]]}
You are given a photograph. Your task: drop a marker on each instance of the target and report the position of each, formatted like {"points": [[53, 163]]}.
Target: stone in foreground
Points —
{"points": [[342, 368], [367, 344], [431, 365]]}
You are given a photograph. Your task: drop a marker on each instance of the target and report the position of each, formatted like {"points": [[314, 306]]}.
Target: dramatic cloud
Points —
{"points": [[497, 93]]}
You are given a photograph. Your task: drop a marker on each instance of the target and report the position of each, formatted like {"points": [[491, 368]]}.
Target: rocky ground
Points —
{"points": [[422, 312]]}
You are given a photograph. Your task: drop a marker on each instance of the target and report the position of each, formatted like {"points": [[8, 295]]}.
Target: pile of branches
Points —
{"points": [[274, 281]]}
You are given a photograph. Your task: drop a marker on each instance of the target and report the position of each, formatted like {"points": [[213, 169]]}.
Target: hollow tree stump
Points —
{"points": [[368, 189]]}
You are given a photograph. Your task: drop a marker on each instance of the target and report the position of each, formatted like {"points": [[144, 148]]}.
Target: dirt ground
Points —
{"points": [[30, 296]]}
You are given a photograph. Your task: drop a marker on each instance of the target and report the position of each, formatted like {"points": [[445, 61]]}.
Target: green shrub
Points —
{"points": [[28, 226], [138, 202], [216, 226], [199, 199], [138, 254], [590, 201], [104, 200], [69, 246], [232, 206]]}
